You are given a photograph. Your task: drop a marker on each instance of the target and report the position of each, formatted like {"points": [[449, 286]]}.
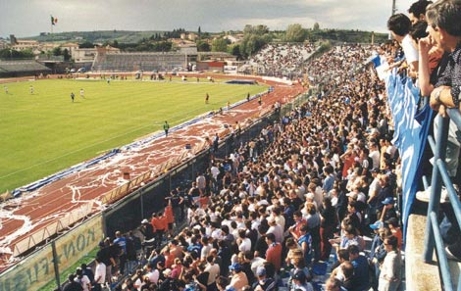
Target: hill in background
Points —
{"points": [[101, 36], [126, 36]]}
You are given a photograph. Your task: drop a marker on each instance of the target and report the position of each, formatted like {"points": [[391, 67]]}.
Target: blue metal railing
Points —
{"points": [[433, 239]]}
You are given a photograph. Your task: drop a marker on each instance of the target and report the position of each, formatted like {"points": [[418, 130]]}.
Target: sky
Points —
{"points": [[30, 17]]}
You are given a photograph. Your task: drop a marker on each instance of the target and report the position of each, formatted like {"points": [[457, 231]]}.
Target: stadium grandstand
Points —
{"points": [[123, 62], [22, 68], [333, 72], [280, 59], [351, 115], [151, 61]]}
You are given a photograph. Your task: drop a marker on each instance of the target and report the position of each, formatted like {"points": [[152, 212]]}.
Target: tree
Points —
{"points": [[26, 54], [66, 55], [311, 36], [324, 47], [203, 46], [176, 33], [57, 51], [261, 29], [219, 45], [251, 44], [295, 33], [162, 46], [255, 37], [316, 26], [235, 51], [199, 32], [248, 29], [86, 44], [8, 54]]}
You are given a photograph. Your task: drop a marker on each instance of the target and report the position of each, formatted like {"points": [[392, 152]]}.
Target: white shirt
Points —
{"points": [[201, 182], [217, 234], [255, 224], [205, 251], [245, 245], [361, 197], [318, 198], [214, 271], [277, 231], [409, 49], [375, 156], [100, 272], [374, 187], [138, 284], [251, 189], [391, 149], [280, 220], [302, 190], [263, 202], [256, 262], [334, 200], [214, 171], [153, 276], [84, 282]]}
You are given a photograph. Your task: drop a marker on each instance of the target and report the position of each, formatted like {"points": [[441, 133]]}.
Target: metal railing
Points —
{"points": [[433, 239]]}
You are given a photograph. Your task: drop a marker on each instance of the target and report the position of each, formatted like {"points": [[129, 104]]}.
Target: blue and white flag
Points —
{"points": [[411, 129]]}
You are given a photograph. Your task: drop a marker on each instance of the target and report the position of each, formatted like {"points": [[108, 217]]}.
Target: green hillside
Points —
{"points": [[100, 36]]}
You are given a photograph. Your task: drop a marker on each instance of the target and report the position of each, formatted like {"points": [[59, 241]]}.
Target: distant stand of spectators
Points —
{"points": [[282, 59]]}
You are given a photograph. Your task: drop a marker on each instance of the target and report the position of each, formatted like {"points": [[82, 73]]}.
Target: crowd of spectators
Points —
{"points": [[341, 66], [303, 195], [307, 193], [282, 59]]}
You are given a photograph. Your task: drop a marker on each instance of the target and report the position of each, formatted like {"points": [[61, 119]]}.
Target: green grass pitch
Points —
{"points": [[44, 132]]}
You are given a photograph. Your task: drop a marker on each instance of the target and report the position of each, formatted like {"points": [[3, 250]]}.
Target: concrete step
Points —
{"points": [[419, 275]]}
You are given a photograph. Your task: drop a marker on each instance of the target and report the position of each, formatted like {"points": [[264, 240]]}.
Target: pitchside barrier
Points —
{"points": [[128, 204], [46, 263], [128, 213]]}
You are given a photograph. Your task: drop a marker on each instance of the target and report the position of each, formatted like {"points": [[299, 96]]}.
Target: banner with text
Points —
{"points": [[37, 270]]}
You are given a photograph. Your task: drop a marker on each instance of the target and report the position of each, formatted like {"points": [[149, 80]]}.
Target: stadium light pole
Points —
{"points": [[394, 9]]}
